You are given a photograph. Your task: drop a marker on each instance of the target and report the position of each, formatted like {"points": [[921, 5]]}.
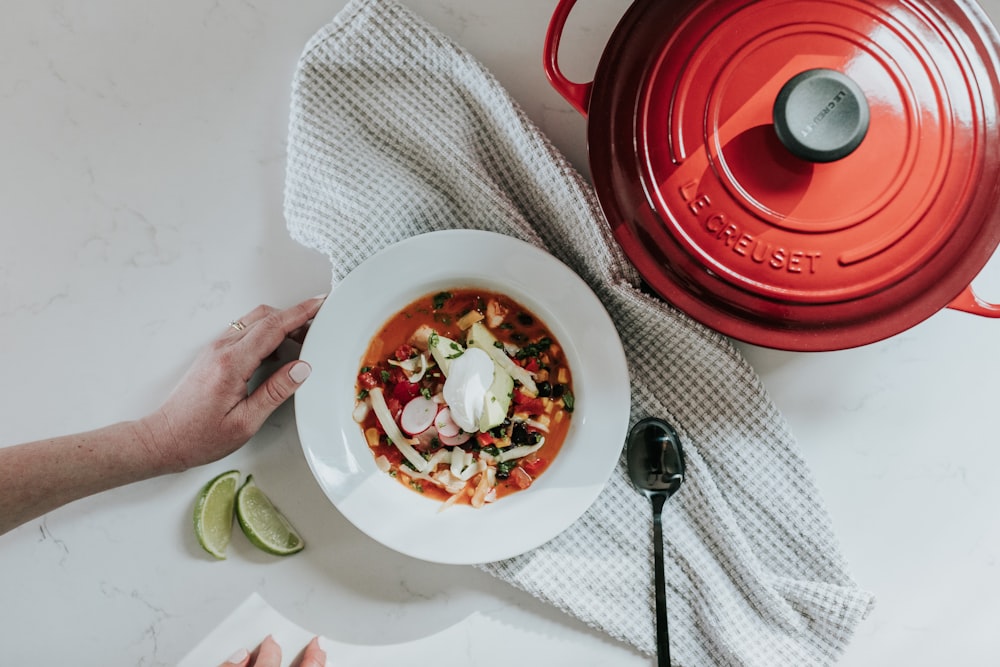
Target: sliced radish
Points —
{"points": [[445, 425], [426, 438], [418, 415], [452, 440]]}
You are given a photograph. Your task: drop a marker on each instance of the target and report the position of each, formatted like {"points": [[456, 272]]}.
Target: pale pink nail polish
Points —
{"points": [[239, 656], [299, 372]]}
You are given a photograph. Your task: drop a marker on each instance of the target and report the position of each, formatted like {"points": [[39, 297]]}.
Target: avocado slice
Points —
{"points": [[444, 349], [497, 400]]}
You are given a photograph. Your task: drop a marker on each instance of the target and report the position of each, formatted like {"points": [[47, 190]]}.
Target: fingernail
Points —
{"points": [[239, 656], [320, 297], [299, 372]]}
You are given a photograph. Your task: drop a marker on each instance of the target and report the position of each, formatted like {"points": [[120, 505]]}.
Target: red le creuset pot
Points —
{"points": [[798, 174]]}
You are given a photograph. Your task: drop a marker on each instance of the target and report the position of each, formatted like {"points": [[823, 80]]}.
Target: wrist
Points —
{"points": [[158, 443]]}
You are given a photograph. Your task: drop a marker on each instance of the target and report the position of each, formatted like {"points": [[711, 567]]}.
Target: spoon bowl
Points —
{"points": [[656, 466]]}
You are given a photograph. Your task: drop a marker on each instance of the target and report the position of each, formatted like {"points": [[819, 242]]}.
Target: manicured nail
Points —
{"points": [[239, 656], [299, 372], [320, 297]]}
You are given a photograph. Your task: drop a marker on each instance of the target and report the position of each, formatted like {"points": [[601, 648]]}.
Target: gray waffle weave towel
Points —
{"points": [[395, 131]]}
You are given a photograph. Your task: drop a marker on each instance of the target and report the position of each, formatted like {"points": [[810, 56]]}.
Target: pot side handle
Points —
{"points": [[969, 302], [577, 94]]}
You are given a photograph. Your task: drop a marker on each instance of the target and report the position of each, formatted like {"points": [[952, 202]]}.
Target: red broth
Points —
{"points": [[535, 420]]}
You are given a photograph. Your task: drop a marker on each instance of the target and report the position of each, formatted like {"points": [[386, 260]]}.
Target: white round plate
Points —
{"points": [[400, 518]]}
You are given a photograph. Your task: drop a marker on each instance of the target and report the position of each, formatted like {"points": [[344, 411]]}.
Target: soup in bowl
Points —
{"points": [[501, 423]]}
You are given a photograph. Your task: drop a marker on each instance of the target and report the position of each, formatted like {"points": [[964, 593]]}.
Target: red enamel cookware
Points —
{"points": [[798, 174]]}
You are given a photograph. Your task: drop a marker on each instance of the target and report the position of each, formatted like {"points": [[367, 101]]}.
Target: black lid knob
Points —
{"points": [[821, 115]]}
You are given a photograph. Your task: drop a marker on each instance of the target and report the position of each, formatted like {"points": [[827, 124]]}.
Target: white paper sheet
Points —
{"points": [[463, 644]]}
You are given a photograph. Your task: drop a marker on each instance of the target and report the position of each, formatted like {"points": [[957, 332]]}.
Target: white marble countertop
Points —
{"points": [[141, 175]]}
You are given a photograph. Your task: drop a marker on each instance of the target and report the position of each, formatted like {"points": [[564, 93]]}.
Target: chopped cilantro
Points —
{"points": [[425, 392], [440, 298], [535, 349], [363, 394], [568, 401], [385, 376], [433, 339], [504, 468]]}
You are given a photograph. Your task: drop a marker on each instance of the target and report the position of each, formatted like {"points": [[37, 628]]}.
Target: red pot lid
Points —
{"points": [[801, 174]]}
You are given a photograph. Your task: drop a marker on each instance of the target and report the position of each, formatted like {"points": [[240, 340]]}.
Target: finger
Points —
{"points": [[274, 391], [299, 335], [313, 655], [257, 314], [237, 328], [266, 334], [238, 659], [268, 653]]}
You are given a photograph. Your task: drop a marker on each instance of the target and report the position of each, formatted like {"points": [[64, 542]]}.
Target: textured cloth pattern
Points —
{"points": [[396, 131]]}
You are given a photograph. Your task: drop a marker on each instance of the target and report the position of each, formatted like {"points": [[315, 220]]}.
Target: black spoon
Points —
{"points": [[656, 466]]}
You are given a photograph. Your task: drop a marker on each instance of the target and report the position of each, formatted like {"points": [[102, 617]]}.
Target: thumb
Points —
{"points": [[314, 655], [276, 389], [238, 659]]}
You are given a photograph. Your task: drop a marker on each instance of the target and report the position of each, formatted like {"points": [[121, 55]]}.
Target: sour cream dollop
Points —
{"points": [[469, 376]]}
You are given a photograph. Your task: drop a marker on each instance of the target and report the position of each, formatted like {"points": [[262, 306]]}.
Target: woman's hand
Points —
{"points": [[210, 414], [268, 654]]}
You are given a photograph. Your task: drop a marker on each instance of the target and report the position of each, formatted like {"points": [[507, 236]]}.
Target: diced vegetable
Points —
{"points": [[360, 412], [520, 478], [467, 320]]}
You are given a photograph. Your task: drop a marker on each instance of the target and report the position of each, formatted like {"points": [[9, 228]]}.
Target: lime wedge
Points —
{"points": [[263, 524], [213, 513]]}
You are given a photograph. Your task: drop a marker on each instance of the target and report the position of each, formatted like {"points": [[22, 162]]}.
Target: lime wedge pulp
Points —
{"points": [[213, 513], [263, 524]]}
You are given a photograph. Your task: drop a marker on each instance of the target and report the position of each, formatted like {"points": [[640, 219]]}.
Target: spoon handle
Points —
{"points": [[662, 635]]}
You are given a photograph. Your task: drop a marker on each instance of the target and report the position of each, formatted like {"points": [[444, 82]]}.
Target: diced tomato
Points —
{"points": [[367, 380], [395, 406], [404, 392], [520, 478], [404, 352], [533, 466], [530, 364], [485, 439], [393, 454], [530, 404], [396, 374]]}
